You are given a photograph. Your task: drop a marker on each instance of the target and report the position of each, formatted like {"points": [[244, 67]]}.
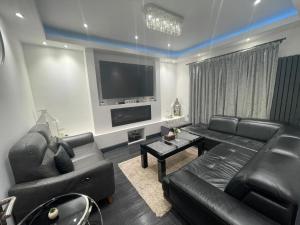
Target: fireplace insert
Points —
{"points": [[122, 116]]}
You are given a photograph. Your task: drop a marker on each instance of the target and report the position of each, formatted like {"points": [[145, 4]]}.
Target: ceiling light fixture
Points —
{"points": [[18, 14], [257, 2], [136, 37], [85, 26], [45, 43], [162, 20], [65, 46], [169, 45]]}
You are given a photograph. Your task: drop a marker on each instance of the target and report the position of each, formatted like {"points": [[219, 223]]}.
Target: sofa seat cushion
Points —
{"points": [[245, 143], [87, 150], [90, 160], [220, 164]]}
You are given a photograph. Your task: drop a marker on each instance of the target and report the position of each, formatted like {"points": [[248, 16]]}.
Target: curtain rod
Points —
{"points": [[242, 50]]}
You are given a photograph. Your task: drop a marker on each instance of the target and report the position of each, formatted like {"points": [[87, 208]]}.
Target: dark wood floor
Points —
{"points": [[128, 208]]}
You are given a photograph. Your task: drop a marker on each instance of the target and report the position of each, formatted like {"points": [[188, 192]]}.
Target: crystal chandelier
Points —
{"points": [[162, 20]]}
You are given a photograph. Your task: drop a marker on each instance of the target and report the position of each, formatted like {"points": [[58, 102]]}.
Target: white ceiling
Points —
{"points": [[121, 19], [30, 28]]}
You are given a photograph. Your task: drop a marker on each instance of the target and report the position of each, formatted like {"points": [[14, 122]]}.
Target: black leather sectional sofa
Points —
{"points": [[249, 175]]}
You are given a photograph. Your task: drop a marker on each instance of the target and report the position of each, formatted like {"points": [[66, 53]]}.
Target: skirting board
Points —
{"points": [[107, 149]]}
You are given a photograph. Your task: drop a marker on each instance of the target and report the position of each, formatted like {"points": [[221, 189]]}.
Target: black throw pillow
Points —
{"points": [[68, 148], [63, 162]]}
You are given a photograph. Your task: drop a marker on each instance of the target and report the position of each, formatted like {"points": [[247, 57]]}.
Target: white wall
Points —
{"points": [[59, 85], [64, 82], [168, 87], [17, 113], [183, 88], [289, 47]]}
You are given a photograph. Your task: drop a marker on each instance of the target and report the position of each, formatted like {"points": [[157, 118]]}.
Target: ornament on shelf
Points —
{"points": [[177, 108]]}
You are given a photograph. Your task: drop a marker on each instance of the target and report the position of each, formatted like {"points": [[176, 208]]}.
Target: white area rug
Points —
{"points": [[146, 181]]}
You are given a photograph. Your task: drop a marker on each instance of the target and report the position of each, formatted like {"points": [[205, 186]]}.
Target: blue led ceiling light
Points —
{"points": [[51, 31]]}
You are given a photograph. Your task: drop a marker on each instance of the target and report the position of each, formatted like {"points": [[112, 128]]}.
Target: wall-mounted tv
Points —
{"points": [[123, 80]]}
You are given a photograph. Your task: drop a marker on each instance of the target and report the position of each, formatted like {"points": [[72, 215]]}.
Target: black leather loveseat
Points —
{"points": [[38, 179], [249, 175]]}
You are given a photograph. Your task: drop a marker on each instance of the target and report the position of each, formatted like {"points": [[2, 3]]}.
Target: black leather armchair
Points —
{"points": [[38, 180]]}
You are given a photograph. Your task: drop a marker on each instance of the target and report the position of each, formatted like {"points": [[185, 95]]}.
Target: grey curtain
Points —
{"points": [[238, 84]]}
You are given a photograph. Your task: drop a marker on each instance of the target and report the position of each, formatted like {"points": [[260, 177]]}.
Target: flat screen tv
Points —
{"points": [[123, 80]]}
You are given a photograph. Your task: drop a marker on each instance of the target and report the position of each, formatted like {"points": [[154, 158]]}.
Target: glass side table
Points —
{"points": [[74, 209]]}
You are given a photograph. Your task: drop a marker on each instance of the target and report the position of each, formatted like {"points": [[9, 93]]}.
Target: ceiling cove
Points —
{"points": [[55, 32]]}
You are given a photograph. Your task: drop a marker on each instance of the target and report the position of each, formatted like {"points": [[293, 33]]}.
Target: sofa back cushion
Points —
{"points": [[226, 124], [257, 129], [42, 129], [31, 159]]}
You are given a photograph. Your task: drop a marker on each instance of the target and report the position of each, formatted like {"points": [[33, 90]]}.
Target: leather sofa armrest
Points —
{"points": [[80, 139], [215, 204], [97, 181]]}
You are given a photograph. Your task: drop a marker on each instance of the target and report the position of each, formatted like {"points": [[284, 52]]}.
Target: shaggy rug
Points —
{"points": [[146, 181]]}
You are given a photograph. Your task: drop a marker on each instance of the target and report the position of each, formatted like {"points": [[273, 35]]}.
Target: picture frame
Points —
{"points": [[2, 49]]}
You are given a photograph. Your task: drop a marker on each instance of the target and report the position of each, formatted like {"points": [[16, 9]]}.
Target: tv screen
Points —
{"points": [[123, 80]]}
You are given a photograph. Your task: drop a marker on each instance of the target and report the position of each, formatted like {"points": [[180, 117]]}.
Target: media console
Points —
{"points": [[132, 133]]}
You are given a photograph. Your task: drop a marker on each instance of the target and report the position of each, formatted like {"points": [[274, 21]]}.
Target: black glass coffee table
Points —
{"points": [[163, 149], [74, 209]]}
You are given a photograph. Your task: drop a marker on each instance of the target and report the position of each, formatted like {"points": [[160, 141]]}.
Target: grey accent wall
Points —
{"points": [[286, 99]]}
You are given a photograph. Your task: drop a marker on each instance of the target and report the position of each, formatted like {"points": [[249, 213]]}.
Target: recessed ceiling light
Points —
{"points": [[85, 26], [248, 39], [65, 46], [169, 45], [19, 15], [136, 37], [45, 43], [257, 2]]}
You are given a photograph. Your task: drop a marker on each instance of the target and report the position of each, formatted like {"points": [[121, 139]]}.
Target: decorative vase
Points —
{"points": [[177, 108], [176, 131], [53, 213]]}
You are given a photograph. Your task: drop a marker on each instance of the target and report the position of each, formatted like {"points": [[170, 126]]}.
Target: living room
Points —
{"points": [[149, 112]]}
